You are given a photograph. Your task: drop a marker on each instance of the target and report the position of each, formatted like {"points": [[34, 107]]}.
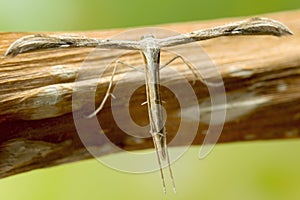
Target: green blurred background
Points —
{"points": [[254, 170]]}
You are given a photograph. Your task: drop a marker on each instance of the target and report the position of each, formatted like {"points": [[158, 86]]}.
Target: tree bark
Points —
{"points": [[260, 73]]}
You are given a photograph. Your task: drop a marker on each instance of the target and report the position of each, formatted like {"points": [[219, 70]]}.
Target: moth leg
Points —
{"points": [[156, 141], [169, 166], [186, 63], [108, 91], [130, 66], [197, 76], [107, 94]]}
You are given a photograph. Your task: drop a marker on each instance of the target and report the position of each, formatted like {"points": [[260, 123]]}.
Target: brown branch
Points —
{"points": [[261, 76]]}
